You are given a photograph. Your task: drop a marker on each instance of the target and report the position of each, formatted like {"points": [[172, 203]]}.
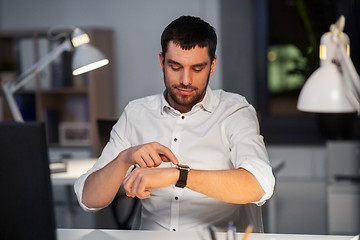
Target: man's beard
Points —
{"points": [[185, 100]]}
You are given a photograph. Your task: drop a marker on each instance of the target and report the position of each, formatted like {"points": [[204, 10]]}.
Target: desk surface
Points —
{"points": [[91, 234], [74, 169]]}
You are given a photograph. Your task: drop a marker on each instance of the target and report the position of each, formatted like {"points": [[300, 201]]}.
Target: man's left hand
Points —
{"points": [[140, 181]]}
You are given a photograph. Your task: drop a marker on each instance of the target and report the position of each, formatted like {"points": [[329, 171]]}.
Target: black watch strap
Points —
{"points": [[184, 170]]}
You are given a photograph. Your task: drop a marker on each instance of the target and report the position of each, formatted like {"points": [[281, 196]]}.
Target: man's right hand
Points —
{"points": [[95, 195], [149, 155]]}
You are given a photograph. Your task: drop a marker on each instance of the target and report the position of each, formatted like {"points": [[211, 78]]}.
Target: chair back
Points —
{"points": [[251, 214]]}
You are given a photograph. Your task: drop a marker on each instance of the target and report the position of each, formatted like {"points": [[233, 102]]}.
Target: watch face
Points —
{"points": [[181, 166]]}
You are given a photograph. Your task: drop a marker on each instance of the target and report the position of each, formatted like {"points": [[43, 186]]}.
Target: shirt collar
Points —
{"points": [[208, 104]]}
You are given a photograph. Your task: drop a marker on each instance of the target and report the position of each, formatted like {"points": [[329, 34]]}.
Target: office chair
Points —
{"points": [[124, 209], [251, 214]]}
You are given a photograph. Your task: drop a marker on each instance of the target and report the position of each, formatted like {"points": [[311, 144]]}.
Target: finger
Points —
{"points": [[140, 184], [126, 187], [164, 158], [128, 183], [136, 157], [149, 160], [135, 189], [156, 159], [145, 194], [141, 162], [164, 151], [169, 155], [129, 195], [147, 156], [140, 190]]}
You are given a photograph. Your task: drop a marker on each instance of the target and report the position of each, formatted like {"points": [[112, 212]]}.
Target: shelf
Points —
{"points": [[57, 91], [57, 97], [64, 90]]}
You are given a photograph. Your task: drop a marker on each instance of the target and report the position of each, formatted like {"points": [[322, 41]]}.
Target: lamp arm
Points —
{"points": [[14, 85], [14, 109], [351, 76], [30, 73]]}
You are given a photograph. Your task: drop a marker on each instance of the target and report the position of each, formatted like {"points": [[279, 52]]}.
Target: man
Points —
{"points": [[198, 152]]}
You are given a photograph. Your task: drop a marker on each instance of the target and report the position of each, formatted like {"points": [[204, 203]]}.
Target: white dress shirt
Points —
{"points": [[221, 132]]}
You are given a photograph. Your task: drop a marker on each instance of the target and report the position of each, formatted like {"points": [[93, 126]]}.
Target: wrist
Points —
{"points": [[175, 175], [123, 159]]}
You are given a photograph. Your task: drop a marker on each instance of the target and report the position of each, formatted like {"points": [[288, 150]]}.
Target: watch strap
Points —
{"points": [[184, 170]]}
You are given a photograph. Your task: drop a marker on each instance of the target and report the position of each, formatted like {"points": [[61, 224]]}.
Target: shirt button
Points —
{"points": [[182, 117], [175, 139], [176, 198], [174, 229]]}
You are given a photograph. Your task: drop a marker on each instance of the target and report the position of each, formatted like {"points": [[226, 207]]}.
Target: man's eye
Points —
{"points": [[175, 68], [198, 69]]}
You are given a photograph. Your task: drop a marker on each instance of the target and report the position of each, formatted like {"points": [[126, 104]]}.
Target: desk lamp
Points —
{"points": [[335, 86], [334, 90], [86, 58]]}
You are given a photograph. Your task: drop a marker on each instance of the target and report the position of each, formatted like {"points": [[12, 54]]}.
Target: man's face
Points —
{"points": [[186, 75]]}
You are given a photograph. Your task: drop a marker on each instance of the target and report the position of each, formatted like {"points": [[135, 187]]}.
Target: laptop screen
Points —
{"points": [[26, 202]]}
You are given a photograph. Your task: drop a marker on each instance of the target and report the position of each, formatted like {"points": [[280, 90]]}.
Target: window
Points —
{"points": [[288, 34]]}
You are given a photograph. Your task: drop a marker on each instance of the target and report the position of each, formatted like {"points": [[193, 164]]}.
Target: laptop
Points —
{"points": [[26, 202]]}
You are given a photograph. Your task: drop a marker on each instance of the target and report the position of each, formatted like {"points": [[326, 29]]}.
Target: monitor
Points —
{"points": [[26, 202], [104, 129]]}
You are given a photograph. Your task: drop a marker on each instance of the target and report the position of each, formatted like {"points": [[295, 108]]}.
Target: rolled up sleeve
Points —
{"points": [[248, 150]]}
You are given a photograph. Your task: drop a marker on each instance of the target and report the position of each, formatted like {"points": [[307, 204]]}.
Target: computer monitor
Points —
{"points": [[104, 129], [26, 201]]}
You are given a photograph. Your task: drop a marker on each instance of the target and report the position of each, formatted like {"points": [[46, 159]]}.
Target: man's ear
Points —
{"points": [[213, 65], [161, 60]]}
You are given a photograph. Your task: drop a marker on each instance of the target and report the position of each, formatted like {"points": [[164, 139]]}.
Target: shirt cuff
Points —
{"points": [[79, 187]]}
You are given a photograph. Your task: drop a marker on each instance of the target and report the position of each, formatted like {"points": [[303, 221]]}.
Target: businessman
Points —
{"points": [[198, 153]]}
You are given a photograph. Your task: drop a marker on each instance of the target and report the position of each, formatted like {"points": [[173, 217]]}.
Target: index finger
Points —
{"points": [[167, 155], [164, 158]]}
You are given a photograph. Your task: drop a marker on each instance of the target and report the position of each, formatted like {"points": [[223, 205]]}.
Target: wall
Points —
{"points": [[238, 65], [137, 26]]}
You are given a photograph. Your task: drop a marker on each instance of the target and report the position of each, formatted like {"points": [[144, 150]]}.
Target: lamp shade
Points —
{"points": [[324, 92], [87, 58]]}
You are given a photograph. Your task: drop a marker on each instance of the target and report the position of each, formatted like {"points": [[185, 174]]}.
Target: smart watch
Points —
{"points": [[184, 170]]}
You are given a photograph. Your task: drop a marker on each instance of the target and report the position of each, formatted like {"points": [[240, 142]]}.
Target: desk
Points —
{"points": [[75, 168], [91, 234]]}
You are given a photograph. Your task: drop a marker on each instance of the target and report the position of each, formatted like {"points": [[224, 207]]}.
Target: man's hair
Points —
{"points": [[189, 32]]}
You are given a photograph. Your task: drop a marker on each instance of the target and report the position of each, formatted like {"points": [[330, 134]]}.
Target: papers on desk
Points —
{"points": [[58, 167]]}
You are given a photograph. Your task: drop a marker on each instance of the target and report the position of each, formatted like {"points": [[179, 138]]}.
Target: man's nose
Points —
{"points": [[186, 78]]}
